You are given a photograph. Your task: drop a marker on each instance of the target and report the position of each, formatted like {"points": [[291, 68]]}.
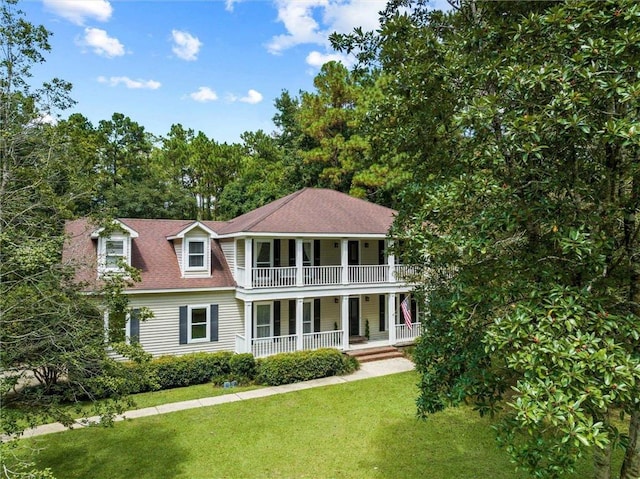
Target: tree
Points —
{"points": [[47, 326], [520, 123]]}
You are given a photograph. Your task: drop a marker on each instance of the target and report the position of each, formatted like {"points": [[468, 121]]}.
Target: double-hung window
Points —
{"points": [[114, 253], [264, 323], [307, 317], [195, 254], [198, 328]]}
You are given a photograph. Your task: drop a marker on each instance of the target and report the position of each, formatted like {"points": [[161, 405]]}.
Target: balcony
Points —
{"points": [[282, 277]]}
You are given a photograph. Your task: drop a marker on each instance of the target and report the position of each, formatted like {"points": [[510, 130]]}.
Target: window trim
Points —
{"points": [[257, 243], [188, 254], [255, 322], [207, 310], [311, 320], [102, 253]]}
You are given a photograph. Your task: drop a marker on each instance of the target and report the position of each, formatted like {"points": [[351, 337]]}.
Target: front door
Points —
{"points": [[354, 316]]}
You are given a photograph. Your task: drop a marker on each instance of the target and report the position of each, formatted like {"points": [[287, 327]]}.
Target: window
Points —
{"points": [[114, 253], [263, 320], [195, 252], [307, 253], [198, 329], [307, 318], [263, 254], [198, 323]]}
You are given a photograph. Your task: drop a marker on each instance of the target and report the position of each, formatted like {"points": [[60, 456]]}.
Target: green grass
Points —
{"points": [[362, 429]]}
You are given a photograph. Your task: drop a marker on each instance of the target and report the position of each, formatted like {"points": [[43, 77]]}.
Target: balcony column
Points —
{"points": [[248, 263], [248, 323], [391, 314], [391, 261], [344, 321], [299, 325], [344, 260], [299, 263]]}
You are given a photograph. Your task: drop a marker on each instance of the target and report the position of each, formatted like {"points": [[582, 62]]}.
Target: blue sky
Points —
{"points": [[214, 66]]}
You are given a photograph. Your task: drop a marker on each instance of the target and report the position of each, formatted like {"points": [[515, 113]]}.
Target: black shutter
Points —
{"points": [[292, 316], [381, 253], [183, 325], [214, 323], [382, 310], [316, 315], [414, 311], [276, 318], [316, 252], [134, 326], [292, 252], [276, 253]]}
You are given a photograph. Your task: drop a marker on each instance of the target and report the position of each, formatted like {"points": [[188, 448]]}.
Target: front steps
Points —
{"points": [[375, 354]]}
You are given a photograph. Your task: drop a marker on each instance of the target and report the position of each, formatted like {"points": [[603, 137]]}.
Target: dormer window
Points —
{"points": [[196, 256], [114, 247], [114, 253]]}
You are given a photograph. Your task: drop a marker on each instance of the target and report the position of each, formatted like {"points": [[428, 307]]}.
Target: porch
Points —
{"points": [[317, 323]]}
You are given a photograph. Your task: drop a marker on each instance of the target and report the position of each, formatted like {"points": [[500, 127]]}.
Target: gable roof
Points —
{"points": [[151, 253], [314, 211]]}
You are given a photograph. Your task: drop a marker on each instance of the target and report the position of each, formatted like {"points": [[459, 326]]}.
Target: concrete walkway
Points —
{"points": [[367, 370]]}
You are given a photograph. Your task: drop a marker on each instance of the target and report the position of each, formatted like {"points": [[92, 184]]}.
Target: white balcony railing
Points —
{"points": [[322, 275], [261, 347], [369, 274], [315, 275], [404, 334]]}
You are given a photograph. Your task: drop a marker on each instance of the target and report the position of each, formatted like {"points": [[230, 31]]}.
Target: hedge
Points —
{"points": [[289, 368]]}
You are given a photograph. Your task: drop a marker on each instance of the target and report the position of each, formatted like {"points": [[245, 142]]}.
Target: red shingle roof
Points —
{"points": [[314, 210], [151, 253]]}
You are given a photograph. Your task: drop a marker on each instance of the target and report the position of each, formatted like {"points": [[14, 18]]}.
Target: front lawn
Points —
{"points": [[362, 429]]}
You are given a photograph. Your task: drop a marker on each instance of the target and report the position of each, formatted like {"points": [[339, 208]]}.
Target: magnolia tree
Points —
{"points": [[521, 123]]}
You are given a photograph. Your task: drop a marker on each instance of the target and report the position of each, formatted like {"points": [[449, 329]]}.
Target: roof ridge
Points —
{"points": [[286, 201]]}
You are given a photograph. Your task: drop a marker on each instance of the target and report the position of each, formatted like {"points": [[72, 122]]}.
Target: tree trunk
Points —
{"points": [[631, 464], [602, 462]]}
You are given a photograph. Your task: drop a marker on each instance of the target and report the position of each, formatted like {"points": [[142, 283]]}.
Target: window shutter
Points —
{"points": [[382, 310], [134, 326], [316, 252], [316, 315], [214, 322], [414, 311], [292, 316], [292, 252], [276, 253], [381, 254], [183, 325], [276, 318]]}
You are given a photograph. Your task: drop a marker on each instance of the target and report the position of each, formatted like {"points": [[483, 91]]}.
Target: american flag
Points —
{"points": [[406, 312]]}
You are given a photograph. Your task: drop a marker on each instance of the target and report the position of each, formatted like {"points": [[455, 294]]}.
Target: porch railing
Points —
{"points": [[322, 275], [325, 339], [273, 345], [404, 334], [273, 277]]}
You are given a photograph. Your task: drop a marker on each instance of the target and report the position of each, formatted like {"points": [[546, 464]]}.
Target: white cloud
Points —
{"points": [[185, 46], [317, 59], [252, 97], [204, 94], [77, 11], [228, 4], [129, 83], [101, 43], [297, 17], [312, 21]]}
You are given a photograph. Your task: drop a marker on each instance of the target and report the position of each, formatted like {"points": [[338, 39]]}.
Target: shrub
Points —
{"points": [[242, 367], [302, 366], [196, 368]]}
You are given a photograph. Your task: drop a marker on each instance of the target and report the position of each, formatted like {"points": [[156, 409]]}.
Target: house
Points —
{"points": [[310, 270]]}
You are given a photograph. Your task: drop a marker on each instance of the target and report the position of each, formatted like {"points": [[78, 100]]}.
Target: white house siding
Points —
{"points": [[228, 249], [371, 311], [160, 335], [177, 246]]}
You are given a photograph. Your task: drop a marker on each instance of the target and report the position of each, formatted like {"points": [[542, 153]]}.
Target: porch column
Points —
{"points": [[344, 321], [344, 260], [299, 262], [248, 263], [391, 313], [391, 261], [299, 325], [248, 330]]}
